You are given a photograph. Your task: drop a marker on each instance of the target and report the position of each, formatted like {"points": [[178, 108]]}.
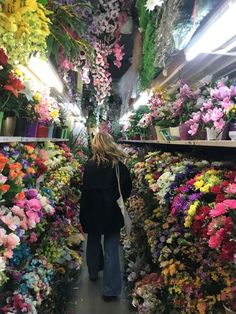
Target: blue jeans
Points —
{"points": [[111, 261]]}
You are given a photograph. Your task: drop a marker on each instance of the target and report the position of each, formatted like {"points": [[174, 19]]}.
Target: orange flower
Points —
{"points": [[20, 196], [30, 170], [33, 156], [29, 149], [4, 188], [16, 166], [3, 161]]}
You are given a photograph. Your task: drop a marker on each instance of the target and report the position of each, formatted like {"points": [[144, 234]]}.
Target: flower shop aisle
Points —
{"points": [[85, 297]]}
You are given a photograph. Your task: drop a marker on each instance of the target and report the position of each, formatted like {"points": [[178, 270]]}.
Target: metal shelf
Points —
{"points": [[16, 139], [205, 143]]}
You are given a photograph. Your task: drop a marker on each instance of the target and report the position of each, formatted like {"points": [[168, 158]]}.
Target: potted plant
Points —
{"points": [[10, 86], [133, 130]]}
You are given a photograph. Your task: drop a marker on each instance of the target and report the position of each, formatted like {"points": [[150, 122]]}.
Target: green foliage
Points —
{"points": [[147, 24], [67, 30], [135, 129]]}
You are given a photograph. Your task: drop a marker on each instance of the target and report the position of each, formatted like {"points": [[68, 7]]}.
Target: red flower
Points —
{"points": [[3, 57], [228, 250], [196, 228], [216, 189], [202, 213], [220, 198], [14, 85]]}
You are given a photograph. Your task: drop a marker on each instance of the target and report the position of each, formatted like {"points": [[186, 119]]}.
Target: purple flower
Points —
{"points": [[194, 197], [32, 193]]}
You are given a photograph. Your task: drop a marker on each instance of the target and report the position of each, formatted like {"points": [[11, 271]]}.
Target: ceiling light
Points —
{"points": [[215, 33], [45, 72]]}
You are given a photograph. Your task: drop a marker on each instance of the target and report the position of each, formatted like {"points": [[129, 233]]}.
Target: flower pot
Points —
{"points": [[1, 119], [153, 133], [42, 130], [166, 134], [21, 125], [175, 132], [184, 135], [50, 131], [8, 126], [31, 129], [159, 135], [213, 134]]}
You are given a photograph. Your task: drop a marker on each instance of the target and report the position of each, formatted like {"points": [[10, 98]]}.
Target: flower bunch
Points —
{"points": [[24, 29]]}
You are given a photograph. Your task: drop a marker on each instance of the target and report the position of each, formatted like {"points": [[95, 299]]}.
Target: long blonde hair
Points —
{"points": [[105, 150]]}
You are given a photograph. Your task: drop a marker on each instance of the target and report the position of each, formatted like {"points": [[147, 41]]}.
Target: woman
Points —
{"points": [[100, 214]]}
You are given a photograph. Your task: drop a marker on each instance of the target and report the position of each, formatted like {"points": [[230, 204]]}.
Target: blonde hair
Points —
{"points": [[105, 150]]}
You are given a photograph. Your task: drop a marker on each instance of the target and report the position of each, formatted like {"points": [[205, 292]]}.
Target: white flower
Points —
{"points": [[2, 264], [151, 4]]}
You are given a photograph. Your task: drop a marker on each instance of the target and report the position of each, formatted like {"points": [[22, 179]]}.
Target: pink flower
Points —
{"points": [[233, 91], [11, 221], [3, 179], [33, 237], [230, 204], [221, 93], [8, 254], [196, 116], [2, 236], [214, 242], [24, 224], [226, 103], [207, 117], [219, 124], [21, 203], [231, 189], [18, 211], [193, 128], [207, 105], [219, 209], [11, 241], [33, 204], [216, 114]]}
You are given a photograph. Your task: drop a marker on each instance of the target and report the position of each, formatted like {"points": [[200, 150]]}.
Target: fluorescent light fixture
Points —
{"points": [[45, 72], [142, 100], [220, 29]]}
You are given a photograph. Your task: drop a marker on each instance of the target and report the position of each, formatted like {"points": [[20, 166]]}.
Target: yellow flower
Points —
{"points": [[188, 222], [148, 177], [37, 97], [205, 189], [199, 184]]}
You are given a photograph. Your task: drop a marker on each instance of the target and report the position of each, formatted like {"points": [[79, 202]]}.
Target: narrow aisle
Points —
{"points": [[86, 298]]}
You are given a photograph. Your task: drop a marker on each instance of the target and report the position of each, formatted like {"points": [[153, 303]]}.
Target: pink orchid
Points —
{"points": [[233, 91], [226, 103], [196, 116], [207, 105], [193, 128], [206, 118], [219, 124], [216, 114], [11, 241], [221, 92]]}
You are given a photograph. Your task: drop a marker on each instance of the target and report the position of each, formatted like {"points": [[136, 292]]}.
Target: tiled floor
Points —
{"points": [[85, 298]]}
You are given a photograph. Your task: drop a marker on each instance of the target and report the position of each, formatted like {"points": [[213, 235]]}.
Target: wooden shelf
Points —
{"points": [[16, 139], [205, 143]]}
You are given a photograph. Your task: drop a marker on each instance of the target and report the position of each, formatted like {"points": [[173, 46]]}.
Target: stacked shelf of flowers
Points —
{"points": [[40, 233], [180, 256]]}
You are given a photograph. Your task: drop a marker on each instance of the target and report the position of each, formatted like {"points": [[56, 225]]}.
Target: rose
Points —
{"points": [[33, 204], [11, 241]]}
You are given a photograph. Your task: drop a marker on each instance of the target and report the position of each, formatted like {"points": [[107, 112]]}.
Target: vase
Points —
{"points": [[175, 133], [184, 135], [21, 125], [1, 119], [31, 129], [42, 130], [212, 134], [159, 135], [9, 125], [50, 131]]}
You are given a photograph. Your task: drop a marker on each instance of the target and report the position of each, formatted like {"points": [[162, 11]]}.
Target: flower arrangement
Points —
{"points": [[24, 29], [10, 85]]}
